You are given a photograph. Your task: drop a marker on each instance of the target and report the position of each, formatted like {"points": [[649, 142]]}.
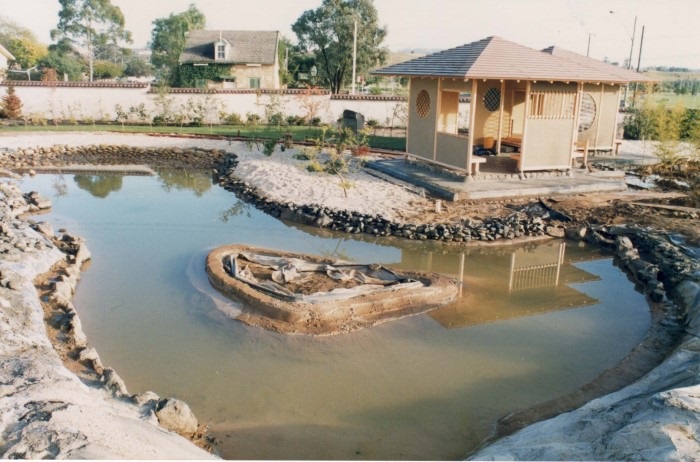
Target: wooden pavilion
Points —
{"points": [[548, 106]]}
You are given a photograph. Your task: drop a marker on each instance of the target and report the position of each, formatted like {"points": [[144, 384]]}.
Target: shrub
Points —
{"points": [[276, 119], [306, 154], [233, 119], [372, 123], [269, 147], [252, 118], [295, 120], [35, 118], [11, 104], [315, 121], [314, 166]]}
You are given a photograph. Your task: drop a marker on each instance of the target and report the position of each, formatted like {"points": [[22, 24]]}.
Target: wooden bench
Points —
{"points": [[512, 141], [580, 151]]}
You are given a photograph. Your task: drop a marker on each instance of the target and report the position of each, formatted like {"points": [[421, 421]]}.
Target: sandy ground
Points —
{"points": [[577, 436]]}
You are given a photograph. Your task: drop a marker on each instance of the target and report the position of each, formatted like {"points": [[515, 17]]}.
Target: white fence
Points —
{"points": [[100, 102]]}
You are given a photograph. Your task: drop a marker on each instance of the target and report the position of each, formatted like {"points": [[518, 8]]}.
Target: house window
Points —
{"points": [[220, 51], [423, 104], [254, 82], [552, 105]]}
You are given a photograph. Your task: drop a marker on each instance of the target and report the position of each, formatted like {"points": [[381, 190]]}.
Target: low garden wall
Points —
{"points": [[140, 103]]}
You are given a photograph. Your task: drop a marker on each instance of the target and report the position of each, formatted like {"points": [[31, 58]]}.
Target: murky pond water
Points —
{"points": [[533, 323]]}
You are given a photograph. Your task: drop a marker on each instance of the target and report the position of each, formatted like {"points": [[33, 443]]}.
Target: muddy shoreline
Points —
{"points": [[656, 273]]}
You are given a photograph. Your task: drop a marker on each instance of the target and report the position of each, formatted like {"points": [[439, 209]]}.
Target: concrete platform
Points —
{"points": [[453, 187]]}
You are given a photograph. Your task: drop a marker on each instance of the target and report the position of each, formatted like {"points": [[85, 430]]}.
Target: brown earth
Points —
{"points": [[680, 215]]}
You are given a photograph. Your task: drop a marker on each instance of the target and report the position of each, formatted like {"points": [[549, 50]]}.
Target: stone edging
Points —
{"points": [[156, 157], [515, 226]]}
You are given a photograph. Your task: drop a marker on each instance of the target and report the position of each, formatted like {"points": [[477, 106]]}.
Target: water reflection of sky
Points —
{"points": [[409, 389]]}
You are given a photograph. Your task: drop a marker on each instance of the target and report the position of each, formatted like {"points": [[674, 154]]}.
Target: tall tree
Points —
{"points": [[168, 40], [328, 32], [22, 43], [89, 24]]}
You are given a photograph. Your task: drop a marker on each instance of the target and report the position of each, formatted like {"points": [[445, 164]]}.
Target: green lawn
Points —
{"points": [[303, 133], [671, 99]]}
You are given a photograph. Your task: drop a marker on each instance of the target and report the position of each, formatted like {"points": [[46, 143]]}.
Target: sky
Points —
{"points": [[671, 32]]}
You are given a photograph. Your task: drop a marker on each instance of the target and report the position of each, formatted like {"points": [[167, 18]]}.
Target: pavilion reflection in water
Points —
{"points": [[507, 285]]}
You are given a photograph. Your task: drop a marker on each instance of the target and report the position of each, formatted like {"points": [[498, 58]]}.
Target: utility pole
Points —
{"points": [[588, 50], [641, 43], [634, 31], [354, 58], [629, 61]]}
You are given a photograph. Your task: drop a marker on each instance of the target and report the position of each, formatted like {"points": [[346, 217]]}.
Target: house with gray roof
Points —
{"points": [[231, 59], [548, 107], [5, 58]]}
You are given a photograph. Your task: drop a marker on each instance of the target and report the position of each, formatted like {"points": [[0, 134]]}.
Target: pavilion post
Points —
{"points": [[470, 142]]}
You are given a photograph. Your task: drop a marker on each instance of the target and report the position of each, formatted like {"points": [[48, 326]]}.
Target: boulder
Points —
{"points": [[176, 415]]}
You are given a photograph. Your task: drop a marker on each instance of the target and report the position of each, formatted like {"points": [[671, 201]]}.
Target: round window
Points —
{"points": [[492, 99], [587, 114], [423, 103]]}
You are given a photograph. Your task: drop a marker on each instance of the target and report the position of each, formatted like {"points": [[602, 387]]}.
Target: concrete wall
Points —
{"points": [[85, 101]]}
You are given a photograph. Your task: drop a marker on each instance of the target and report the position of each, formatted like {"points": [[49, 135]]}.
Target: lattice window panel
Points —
{"points": [[587, 113], [423, 103], [492, 99]]}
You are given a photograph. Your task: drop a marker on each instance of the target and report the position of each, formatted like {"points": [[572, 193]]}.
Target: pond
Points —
{"points": [[533, 322]]}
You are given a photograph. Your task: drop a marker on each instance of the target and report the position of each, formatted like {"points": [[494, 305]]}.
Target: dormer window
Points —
{"points": [[221, 48]]}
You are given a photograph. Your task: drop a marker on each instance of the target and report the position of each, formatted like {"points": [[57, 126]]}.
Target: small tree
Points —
{"points": [[11, 104]]}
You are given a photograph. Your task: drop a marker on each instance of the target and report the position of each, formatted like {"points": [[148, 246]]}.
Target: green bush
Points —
{"points": [[269, 147], [233, 119], [252, 118], [295, 120], [106, 70], [372, 123], [276, 119]]}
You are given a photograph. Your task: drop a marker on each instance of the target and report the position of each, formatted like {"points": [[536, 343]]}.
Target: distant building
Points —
{"points": [[5, 58], [230, 59]]}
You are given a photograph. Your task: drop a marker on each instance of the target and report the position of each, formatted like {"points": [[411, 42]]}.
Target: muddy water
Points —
{"points": [[533, 323]]}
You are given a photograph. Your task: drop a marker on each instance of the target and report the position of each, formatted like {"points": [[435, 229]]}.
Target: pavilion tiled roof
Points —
{"points": [[496, 58], [247, 47], [580, 60]]}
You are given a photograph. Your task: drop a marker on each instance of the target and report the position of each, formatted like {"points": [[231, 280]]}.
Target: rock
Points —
{"points": [[147, 398], [554, 231], [575, 233], [323, 221], [45, 228], [113, 382], [176, 415], [688, 292]]}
